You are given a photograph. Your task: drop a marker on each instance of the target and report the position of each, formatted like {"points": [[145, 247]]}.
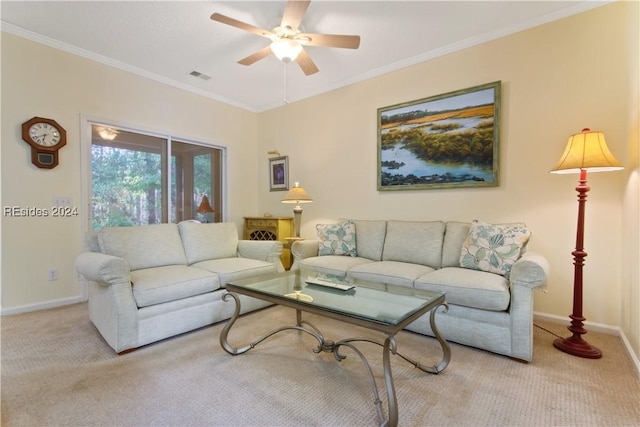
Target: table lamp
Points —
{"points": [[205, 208], [585, 151], [297, 195]]}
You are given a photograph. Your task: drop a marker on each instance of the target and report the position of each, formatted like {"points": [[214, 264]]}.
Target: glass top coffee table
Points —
{"points": [[380, 307]]}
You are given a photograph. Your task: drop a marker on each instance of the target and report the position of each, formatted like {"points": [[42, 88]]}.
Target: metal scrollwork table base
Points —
{"points": [[389, 347]]}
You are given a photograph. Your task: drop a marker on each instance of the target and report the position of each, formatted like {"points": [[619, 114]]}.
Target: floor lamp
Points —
{"points": [[297, 195], [585, 151]]}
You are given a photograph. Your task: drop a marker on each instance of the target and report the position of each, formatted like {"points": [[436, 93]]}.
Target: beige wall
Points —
{"points": [[41, 81], [556, 79], [630, 284]]}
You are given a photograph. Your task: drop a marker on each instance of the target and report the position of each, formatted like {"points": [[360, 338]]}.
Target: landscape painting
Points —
{"points": [[445, 141]]}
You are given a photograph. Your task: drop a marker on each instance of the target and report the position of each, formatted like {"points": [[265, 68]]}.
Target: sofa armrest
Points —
{"points": [[112, 308], [301, 249], [531, 270], [529, 273], [262, 250], [104, 269]]}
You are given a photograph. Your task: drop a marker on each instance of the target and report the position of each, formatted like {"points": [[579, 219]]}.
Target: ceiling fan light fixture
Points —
{"points": [[286, 50]]}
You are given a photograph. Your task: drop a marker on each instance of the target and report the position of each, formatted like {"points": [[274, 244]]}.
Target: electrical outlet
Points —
{"points": [[61, 201], [52, 274]]}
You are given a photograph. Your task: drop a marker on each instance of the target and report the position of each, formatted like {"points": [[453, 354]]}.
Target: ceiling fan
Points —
{"points": [[287, 41]]}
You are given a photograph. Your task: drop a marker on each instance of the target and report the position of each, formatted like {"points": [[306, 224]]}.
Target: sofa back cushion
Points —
{"points": [[454, 237], [204, 242], [144, 246], [414, 242], [370, 236], [91, 243]]}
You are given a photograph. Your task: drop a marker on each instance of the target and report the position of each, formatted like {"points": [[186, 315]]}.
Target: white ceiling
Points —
{"points": [[166, 40]]}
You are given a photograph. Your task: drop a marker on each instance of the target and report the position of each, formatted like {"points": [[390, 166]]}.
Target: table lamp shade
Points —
{"points": [[586, 150], [205, 206], [297, 195]]}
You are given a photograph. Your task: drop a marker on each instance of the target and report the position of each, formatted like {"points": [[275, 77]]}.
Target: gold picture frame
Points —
{"points": [[444, 141]]}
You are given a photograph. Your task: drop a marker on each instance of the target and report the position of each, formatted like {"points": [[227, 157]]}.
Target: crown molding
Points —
{"points": [[579, 7], [454, 47], [56, 44]]}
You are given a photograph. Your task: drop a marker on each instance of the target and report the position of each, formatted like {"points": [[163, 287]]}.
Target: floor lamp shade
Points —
{"points": [[585, 151], [297, 195]]}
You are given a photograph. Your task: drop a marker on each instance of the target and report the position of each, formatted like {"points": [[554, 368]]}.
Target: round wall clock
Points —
{"points": [[46, 137]]}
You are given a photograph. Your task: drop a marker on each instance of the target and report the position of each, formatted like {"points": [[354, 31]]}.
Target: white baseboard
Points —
{"points": [[564, 320], [41, 306], [595, 327], [634, 358]]}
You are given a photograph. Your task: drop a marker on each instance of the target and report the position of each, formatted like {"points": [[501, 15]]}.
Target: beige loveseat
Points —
{"points": [[487, 274], [151, 282]]}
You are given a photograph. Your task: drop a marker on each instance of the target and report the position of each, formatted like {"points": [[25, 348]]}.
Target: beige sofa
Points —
{"points": [[151, 282], [487, 274]]}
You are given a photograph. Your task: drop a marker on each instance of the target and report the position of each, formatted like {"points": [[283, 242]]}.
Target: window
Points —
{"points": [[135, 182]]}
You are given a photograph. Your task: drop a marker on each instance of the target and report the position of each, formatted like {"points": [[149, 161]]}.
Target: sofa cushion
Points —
{"points": [[332, 264], [370, 238], [91, 243], [414, 242], [229, 269], [144, 246], [469, 288], [169, 283], [389, 272], [337, 239], [493, 248], [454, 236], [209, 241]]}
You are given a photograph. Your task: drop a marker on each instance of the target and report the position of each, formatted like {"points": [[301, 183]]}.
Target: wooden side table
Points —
{"points": [[271, 228]]}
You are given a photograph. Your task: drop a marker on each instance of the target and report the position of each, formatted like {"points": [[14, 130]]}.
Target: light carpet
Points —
{"points": [[58, 371]]}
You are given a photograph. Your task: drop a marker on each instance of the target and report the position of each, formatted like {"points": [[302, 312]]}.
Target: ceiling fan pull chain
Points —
{"points": [[284, 75]]}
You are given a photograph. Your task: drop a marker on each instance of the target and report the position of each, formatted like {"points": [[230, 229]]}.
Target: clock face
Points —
{"points": [[44, 134]]}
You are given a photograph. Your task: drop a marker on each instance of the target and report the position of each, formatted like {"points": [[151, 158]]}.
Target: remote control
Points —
{"points": [[321, 282]]}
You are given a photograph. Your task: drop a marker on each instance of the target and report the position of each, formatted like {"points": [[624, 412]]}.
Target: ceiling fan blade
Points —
{"points": [[294, 12], [329, 40], [306, 63], [256, 56], [242, 25]]}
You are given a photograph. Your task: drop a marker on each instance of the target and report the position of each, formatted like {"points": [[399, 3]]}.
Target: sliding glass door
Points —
{"points": [[134, 180], [196, 182]]}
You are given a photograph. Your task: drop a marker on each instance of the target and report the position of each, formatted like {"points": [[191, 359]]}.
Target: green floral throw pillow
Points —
{"points": [[493, 248], [337, 239]]}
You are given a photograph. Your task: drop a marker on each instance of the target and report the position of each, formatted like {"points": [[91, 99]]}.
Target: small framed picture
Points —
{"points": [[279, 173]]}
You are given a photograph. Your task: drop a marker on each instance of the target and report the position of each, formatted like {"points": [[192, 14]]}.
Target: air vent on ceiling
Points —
{"points": [[199, 75]]}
